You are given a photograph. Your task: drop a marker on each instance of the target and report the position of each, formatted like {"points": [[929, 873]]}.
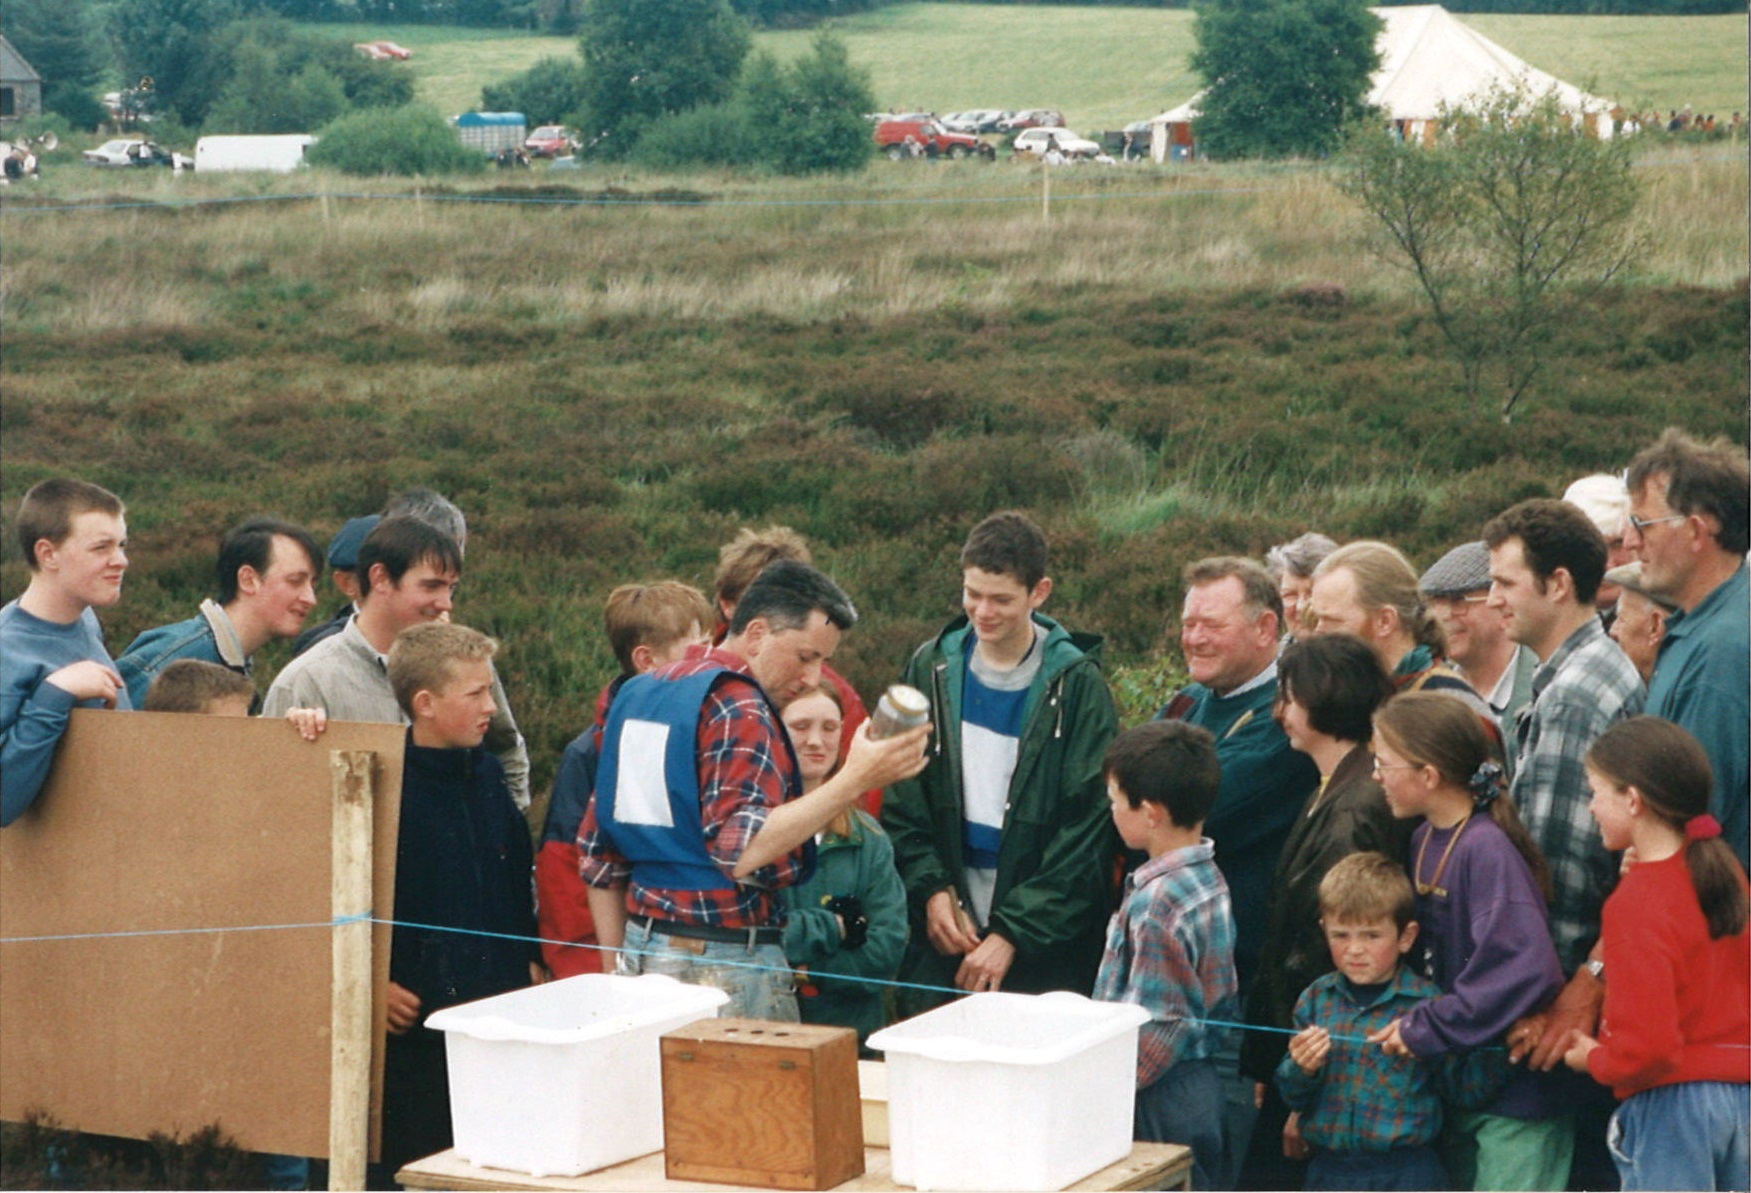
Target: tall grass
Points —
{"points": [[965, 236]]}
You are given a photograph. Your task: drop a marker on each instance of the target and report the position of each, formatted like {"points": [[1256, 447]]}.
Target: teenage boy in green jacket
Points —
{"points": [[1004, 842]]}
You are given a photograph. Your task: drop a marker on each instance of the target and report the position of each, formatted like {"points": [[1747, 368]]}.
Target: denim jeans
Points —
{"points": [[758, 980], [1691, 1135], [1399, 1168], [1238, 1113], [1185, 1106]]}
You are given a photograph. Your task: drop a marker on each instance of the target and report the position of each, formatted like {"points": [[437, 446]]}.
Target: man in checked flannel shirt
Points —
{"points": [[698, 821]]}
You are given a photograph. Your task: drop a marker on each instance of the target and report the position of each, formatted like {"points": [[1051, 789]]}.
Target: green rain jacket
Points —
{"points": [[1056, 860], [861, 865]]}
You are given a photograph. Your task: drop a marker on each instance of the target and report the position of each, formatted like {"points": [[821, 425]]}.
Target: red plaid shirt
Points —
{"points": [[744, 771]]}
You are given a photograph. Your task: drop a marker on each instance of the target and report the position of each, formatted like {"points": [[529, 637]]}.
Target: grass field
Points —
{"points": [[1104, 67]]}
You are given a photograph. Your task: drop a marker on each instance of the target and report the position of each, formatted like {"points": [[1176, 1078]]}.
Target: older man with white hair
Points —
{"points": [[1605, 500]]}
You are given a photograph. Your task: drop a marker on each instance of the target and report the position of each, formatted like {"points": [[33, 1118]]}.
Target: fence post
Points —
{"points": [[349, 1097]]}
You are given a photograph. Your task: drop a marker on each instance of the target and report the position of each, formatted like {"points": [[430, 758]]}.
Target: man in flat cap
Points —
{"points": [[1457, 589]]}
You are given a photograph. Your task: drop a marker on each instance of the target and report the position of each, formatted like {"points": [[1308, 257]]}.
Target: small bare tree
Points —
{"points": [[1510, 223]]}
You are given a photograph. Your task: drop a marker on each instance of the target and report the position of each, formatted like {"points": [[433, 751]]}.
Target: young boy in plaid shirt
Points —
{"points": [[1371, 1119], [1170, 946]]}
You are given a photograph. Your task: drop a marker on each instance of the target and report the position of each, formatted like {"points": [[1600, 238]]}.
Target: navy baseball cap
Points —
{"points": [[343, 548]]}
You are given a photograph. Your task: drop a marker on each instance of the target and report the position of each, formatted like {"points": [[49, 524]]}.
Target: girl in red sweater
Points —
{"points": [[1675, 1036]]}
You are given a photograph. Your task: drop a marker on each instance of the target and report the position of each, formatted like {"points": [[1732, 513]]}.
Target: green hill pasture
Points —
{"points": [[1105, 67]]}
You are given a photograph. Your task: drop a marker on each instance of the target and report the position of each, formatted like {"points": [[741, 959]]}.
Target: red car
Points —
{"points": [[1032, 118], [896, 139], [382, 51], [551, 140]]}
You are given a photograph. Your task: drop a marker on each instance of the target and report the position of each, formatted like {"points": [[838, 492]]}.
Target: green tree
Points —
{"points": [[412, 140], [810, 113], [1281, 77], [167, 41], [800, 118], [644, 59], [368, 84], [550, 92], [265, 96], [64, 41], [1510, 223]]}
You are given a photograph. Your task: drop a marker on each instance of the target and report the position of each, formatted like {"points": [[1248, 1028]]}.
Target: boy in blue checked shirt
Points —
{"points": [[1370, 1119], [1170, 946]]}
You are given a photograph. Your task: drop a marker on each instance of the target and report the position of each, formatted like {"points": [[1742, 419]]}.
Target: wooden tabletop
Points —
{"points": [[1149, 1166]]}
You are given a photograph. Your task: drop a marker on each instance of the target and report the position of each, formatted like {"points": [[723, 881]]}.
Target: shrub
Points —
{"points": [[550, 92], [813, 110], [413, 140], [713, 135]]}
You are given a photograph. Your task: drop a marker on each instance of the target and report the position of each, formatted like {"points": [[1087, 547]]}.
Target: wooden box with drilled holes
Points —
{"points": [[755, 1102]]}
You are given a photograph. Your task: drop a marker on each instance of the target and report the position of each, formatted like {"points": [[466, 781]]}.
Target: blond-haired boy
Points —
{"points": [[1370, 1119], [648, 626], [464, 918], [197, 686]]}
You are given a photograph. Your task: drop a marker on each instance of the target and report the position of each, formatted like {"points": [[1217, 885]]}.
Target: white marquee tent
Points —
{"points": [[1428, 59]]}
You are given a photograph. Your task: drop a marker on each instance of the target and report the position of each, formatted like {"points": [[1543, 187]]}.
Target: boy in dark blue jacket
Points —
{"points": [[462, 870]]}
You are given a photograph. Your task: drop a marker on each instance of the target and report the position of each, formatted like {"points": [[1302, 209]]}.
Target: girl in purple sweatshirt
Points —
{"points": [[1482, 890]]}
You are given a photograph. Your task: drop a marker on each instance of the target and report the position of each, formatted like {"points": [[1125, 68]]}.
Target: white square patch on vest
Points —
{"points": [[641, 791]]}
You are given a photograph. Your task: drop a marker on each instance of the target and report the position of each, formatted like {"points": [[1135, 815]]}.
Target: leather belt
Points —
{"points": [[743, 936]]}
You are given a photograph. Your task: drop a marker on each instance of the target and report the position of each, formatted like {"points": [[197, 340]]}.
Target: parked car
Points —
{"points": [[1032, 118], [132, 151], [382, 51], [895, 137], [551, 140], [974, 120], [1038, 141]]}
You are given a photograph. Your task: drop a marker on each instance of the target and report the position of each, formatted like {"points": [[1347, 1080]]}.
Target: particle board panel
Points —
{"points": [[166, 851]]}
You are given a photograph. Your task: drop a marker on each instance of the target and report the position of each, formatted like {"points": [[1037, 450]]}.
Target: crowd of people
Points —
{"points": [[1428, 880]]}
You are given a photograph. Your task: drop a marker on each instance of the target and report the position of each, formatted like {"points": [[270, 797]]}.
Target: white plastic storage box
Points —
{"points": [[1011, 1091], [566, 1077]]}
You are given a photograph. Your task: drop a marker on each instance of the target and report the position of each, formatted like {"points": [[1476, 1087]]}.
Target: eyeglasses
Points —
{"points": [[1380, 766], [1641, 524], [1460, 604]]}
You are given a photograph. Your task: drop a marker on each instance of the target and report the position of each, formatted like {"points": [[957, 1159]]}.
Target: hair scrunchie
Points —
{"points": [[1701, 828], [1485, 784]]}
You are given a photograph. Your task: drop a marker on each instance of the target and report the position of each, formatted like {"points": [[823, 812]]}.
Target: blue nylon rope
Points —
{"points": [[369, 917]]}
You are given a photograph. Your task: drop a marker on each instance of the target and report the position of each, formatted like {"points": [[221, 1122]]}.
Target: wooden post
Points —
{"points": [[1045, 191], [349, 1097]]}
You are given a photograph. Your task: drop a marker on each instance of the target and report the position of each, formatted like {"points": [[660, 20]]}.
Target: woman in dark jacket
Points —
{"points": [[1327, 690]]}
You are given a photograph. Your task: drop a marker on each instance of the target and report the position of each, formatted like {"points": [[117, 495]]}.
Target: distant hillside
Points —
{"points": [[1106, 66]]}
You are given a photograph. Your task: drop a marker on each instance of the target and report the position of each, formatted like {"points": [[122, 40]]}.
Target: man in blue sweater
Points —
{"points": [[52, 657], [1228, 633]]}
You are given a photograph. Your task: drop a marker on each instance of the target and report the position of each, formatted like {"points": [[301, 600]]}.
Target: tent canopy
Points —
{"points": [[1430, 60]]}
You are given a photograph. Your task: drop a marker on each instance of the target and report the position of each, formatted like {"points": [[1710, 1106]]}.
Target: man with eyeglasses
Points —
{"points": [[1457, 589], [1689, 525]]}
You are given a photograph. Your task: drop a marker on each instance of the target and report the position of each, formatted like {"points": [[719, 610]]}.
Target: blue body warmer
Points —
{"points": [[647, 784]]}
